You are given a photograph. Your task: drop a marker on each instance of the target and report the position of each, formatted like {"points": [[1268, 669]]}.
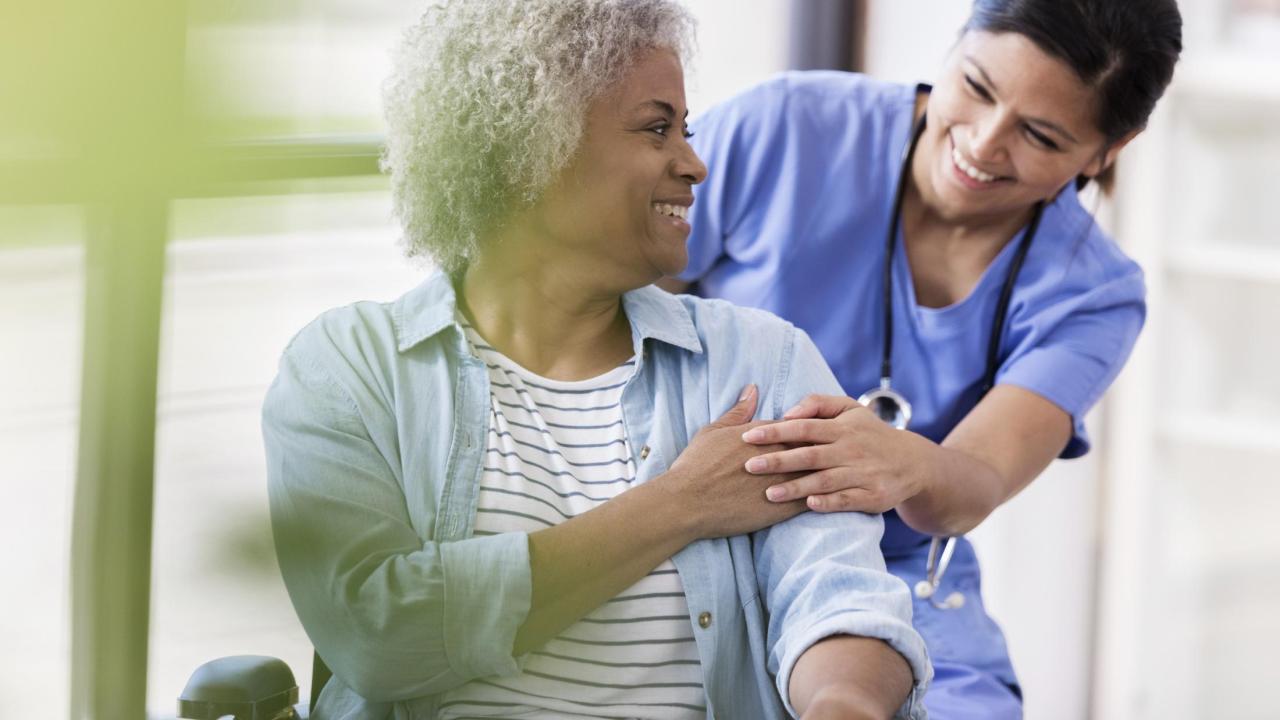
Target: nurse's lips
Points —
{"points": [[970, 175]]}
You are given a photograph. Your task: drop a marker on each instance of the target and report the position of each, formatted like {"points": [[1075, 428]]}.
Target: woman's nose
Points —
{"points": [[689, 166]]}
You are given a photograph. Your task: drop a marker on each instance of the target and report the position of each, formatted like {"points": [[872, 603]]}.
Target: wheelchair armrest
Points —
{"points": [[248, 687]]}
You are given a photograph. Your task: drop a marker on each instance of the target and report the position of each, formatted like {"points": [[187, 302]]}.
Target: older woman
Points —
{"points": [[504, 495]]}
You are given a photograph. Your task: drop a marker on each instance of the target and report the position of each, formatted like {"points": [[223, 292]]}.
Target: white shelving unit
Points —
{"points": [[1190, 562]]}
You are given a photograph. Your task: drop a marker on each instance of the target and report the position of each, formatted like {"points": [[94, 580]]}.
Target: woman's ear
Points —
{"points": [[1107, 156]]}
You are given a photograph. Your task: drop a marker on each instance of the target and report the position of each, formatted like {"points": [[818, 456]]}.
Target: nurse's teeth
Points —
{"points": [[970, 170]]}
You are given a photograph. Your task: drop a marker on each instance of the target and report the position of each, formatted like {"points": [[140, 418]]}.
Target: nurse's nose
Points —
{"points": [[986, 140]]}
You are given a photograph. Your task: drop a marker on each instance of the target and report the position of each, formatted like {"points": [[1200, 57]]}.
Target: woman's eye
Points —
{"points": [[1041, 139], [687, 134], [661, 129], [978, 89]]}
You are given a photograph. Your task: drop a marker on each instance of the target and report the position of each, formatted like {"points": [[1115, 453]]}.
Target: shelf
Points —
{"points": [[1249, 434], [1227, 261]]}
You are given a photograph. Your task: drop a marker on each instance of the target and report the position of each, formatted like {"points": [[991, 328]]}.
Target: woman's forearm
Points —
{"points": [[849, 678], [580, 564]]}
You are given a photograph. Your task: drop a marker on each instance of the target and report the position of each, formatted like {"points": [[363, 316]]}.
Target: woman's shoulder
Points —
{"points": [[367, 340], [732, 326]]}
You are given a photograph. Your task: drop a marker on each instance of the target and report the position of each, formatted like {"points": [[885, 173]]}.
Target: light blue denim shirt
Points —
{"points": [[375, 428]]}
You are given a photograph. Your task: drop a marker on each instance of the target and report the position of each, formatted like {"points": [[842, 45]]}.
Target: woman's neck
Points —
{"points": [[545, 315]]}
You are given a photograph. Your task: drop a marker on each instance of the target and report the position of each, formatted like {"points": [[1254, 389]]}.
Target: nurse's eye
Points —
{"points": [[977, 88], [1042, 140]]}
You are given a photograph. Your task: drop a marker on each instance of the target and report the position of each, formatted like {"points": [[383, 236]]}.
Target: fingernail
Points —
{"points": [[776, 493], [756, 465], [746, 392], [752, 435], [815, 502]]}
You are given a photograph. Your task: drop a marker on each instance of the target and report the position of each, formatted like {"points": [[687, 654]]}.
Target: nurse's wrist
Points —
{"points": [[953, 493]]}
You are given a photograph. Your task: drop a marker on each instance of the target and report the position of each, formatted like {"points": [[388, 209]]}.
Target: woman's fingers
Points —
{"points": [[742, 411], [793, 431], [820, 406]]}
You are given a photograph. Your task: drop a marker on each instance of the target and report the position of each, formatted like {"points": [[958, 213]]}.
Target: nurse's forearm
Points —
{"points": [[849, 678], [959, 492], [997, 450]]}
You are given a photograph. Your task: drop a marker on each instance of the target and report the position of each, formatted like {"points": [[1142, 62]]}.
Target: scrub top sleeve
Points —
{"points": [[736, 140], [1076, 349]]}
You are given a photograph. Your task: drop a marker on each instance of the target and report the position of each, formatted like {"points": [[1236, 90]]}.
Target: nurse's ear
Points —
{"points": [[1106, 157]]}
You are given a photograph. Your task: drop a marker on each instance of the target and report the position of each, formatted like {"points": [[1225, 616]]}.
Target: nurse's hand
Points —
{"points": [[854, 460]]}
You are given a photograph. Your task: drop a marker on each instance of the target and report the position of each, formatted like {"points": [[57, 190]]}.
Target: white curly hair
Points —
{"points": [[487, 102]]}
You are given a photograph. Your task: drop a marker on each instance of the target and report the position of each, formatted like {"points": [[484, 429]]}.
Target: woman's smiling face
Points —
{"points": [[621, 205], [1008, 125]]}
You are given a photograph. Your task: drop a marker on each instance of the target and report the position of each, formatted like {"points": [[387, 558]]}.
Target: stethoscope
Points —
{"points": [[890, 406]]}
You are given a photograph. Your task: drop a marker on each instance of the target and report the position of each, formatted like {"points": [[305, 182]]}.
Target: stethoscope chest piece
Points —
{"points": [[888, 404]]}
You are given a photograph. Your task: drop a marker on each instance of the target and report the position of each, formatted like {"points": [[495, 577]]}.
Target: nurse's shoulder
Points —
{"points": [[819, 103], [1084, 256]]}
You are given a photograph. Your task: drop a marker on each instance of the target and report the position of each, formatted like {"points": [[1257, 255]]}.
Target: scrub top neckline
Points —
{"points": [[960, 308]]}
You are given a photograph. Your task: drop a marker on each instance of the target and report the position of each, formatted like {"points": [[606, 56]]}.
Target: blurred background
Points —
{"points": [[183, 185]]}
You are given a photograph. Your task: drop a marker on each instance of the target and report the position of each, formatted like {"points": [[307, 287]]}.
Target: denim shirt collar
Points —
{"points": [[653, 313]]}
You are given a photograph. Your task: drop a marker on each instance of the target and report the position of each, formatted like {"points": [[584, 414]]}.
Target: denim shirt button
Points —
{"points": [[704, 620], [644, 452]]}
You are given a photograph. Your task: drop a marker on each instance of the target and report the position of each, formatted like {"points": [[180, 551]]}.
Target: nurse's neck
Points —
{"points": [[926, 220]]}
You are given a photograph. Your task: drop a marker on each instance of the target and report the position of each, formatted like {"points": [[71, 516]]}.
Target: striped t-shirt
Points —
{"points": [[555, 450]]}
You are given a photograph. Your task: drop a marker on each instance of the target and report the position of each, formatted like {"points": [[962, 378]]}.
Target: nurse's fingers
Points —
{"points": [[809, 457], [820, 406], [793, 431], [850, 500]]}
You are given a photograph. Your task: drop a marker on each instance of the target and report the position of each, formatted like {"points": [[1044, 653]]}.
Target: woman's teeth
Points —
{"points": [[675, 211], [970, 170]]}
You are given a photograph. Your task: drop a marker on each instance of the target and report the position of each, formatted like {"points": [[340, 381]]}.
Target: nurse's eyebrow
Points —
{"points": [[1036, 121]]}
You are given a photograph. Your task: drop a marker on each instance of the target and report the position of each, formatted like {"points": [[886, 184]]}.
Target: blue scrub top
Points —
{"points": [[793, 218]]}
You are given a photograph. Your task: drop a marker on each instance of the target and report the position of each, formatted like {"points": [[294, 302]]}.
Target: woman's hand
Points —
{"points": [[848, 458], [709, 481]]}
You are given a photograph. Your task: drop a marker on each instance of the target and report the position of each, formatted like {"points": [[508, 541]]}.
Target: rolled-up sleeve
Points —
{"points": [[395, 616], [822, 575]]}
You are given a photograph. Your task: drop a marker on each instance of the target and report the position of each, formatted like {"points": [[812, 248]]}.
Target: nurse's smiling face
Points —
{"points": [[1009, 125]]}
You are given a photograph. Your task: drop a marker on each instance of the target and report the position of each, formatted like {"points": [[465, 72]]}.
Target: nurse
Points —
{"points": [[888, 221]]}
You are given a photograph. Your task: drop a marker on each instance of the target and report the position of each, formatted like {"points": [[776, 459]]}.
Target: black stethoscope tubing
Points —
{"points": [[1006, 291], [937, 566]]}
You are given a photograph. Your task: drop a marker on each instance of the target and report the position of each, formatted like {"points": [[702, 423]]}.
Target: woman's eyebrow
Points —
{"points": [[662, 106], [1047, 124]]}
